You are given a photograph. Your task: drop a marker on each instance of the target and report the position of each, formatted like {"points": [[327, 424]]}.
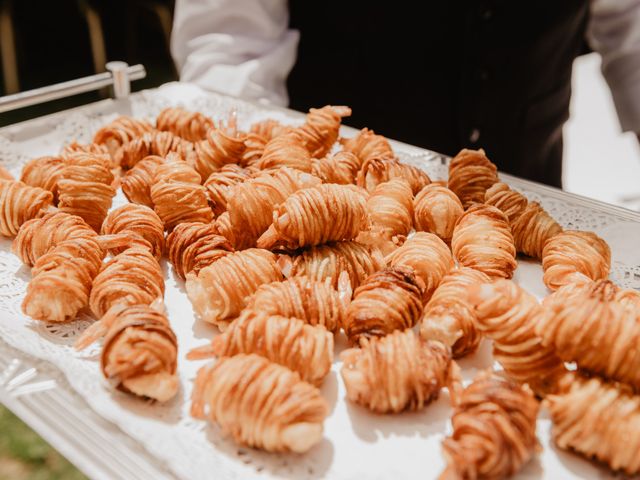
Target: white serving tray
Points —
{"points": [[120, 436]]}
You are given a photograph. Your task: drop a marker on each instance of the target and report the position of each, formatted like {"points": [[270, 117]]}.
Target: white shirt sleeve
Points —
{"points": [[614, 32], [242, 48]]}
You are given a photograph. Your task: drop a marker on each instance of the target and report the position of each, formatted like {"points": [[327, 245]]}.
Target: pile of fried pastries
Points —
{"points": [[286, 236]]}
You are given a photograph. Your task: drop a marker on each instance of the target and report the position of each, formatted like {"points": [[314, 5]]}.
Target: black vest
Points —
{"points": [[492, 74]]}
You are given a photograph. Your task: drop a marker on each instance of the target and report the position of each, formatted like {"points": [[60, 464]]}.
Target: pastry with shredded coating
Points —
{"points": [[366, 145], [136, 183], [141, 222], [321, 128], [436, 209], [378, 170], [192, 126], [220, 183], [121, 131], [341, 168], [43, 172], [471, 174], [286, 150], [152, 143], [390, 208], [20, 203], [221, 147], [6, 174]]}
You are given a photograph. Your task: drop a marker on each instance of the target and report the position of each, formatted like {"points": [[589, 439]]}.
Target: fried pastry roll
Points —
{"points": [[259, 403], [471, 174], [449, 316], [153, 143], [218, 292], [268, 129], [222, 146], [482, 240], [509, 315], [398, 372], [220, 183], [138, 220], [316, 303], [367, 145], [436, 209], [193, 246], [390, 207], [321, 128], [19, 203], [429, 257], [254, 148], [598, 420], [341, 168], [121, 131], [6, 174], [43, 172], [192, 126], [224, 228], [91, 148], [140, 353], [286, 150], [314, 216], [573, 256], [494, 430], [388, 300], [290, 342], [136, 183], [379, 170], [329, 261], [251, 203]]}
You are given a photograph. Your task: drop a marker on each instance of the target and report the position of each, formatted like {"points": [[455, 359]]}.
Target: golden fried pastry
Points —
{"points": [[508, 315], [595, 330], [220, 183], [286, 150], [329, 261], [6, 175], [136, 183], [388, 300], [316, 303], [290, 342], [225, 229], [390, 208], [219, 292], [366, 145], [379, 170], [320, 130], [43, 172], [92, 148], [482, 240], [398, 372], [436, 209], [121, 131], [259, 403], [140, 221], [268, 129], [494, 430], [251, 203], [153, 143], [140, 353], [449, 316], [428, 256], [598, 420], [254, 148], [19, 203], [220, 148], [174, 169], [341, 168], [471, 174], [573, 256], [193, 246], [192, 126], [61, 279], [313, 216]]}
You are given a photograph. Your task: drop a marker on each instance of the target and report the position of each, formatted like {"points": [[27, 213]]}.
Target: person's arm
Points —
{"points": [[614, 32], [242, 48]]}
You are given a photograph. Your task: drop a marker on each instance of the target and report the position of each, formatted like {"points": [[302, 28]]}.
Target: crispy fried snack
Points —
{"points": [[290, 342], [121, 131], [43, 172], [531, 225], [92, 148], [398, 372], [494, 430], [251, 203], [218, 292], [286, 150], [136, 183], [390, 208], [366, 145], [61, 279], [449, 317], [19, 203], [314, 216], [192, 126], [153, 143], [259, 403], [268, 129], [341, 168], [436, 209], [329, 261], [316, 303], [6, 175], [378, 170], [508, 315], [595, 330], [254, 148], [471, 173], [85, 187], [320, 131], [221, 147], [220, 183], [193, 246], [388, 300], [575, 257], [174, 169], [140, 221], [140, 352], [428, 256], [225, 229], [598, 420], [482, 240]]}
